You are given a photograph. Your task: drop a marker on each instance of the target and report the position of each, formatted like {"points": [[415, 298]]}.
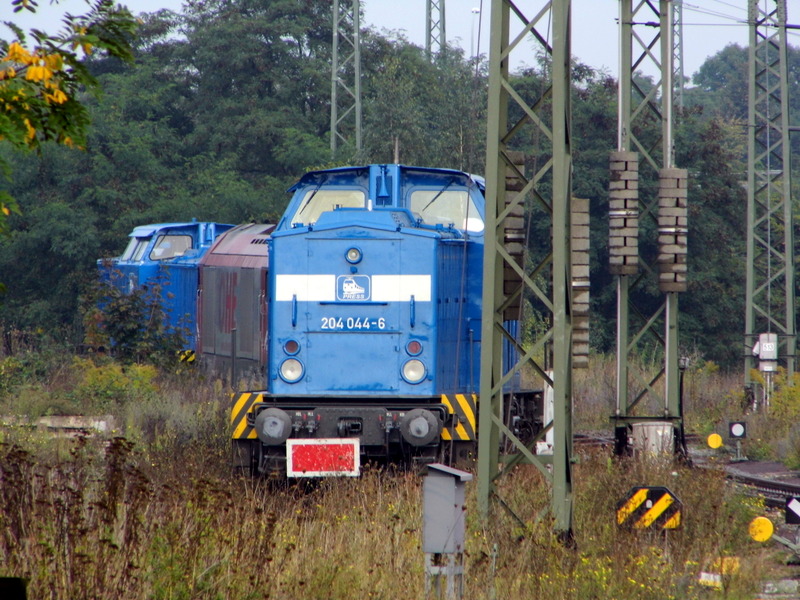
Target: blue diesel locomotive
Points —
{"points": [[165, 257], [375, 279]]}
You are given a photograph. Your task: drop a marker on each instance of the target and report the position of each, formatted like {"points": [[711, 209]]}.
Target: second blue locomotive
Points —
{"points": [[163, 258]]}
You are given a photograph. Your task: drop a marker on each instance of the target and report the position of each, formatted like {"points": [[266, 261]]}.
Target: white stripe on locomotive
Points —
{"points": [[322, 288]]}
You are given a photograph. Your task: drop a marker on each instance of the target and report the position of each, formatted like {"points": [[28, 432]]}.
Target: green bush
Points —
{"points": [[10, 373], [131, 324], [109, 385]]}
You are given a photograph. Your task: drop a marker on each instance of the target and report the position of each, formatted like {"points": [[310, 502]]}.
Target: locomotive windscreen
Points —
{"points": [[135, 249], [447, 207], [318, 201]]}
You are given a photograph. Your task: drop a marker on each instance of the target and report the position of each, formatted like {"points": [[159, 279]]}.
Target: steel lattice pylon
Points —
{"points": [[770, 291], [645, 127], [511, 114], [678, 75], [435, 30], [346, 74]]}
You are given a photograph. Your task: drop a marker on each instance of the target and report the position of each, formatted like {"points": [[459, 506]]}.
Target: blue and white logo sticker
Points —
{"points": [[352, 287]]}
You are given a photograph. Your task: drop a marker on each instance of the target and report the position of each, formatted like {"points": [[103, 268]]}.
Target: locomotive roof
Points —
{"points": [[148, 230], [244, 245], [389, 186], [313, 175]]}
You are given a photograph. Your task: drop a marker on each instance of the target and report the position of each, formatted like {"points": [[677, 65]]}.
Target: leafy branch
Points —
{"points": [[43, 75]]}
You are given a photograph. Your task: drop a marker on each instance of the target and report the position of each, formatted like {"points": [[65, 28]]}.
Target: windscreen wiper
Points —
{"points": [[439, 193], [311, 197]]}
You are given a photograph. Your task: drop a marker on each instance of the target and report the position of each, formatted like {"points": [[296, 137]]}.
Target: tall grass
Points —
{"points": [[103, 522], [154, 513]]}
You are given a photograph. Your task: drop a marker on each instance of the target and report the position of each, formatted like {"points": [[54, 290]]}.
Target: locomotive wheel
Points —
{"points": [[271, 462], [459, 455], [526, 433], [245, 457]]}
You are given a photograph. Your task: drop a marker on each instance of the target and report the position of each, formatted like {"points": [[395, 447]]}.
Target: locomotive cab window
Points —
{"points": [[456, 207], [317, 201], [135, 249], [170, 246]]}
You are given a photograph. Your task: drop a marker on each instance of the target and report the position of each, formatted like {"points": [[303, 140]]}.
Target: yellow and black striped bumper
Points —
{"points": [[243, 404], [461, 425]]}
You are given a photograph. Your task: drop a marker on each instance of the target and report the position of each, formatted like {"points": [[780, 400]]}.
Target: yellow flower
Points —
{"points": [[17, 53], [38, 73], [31, 130], [57, 97], [32, 73]]}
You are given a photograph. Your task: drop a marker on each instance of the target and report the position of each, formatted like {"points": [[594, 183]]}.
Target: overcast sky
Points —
{"points": [[709, 25]]}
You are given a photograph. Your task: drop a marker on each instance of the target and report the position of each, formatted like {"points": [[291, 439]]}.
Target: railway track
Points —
{"points": [[771, 480], [64, 426]]}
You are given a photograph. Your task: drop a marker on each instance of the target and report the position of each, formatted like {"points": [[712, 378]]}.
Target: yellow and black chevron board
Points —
{"points": [[243, 403], [461, 425], [649, 508]]}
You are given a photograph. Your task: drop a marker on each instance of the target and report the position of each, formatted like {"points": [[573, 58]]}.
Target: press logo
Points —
{"points": [[352, 287]]}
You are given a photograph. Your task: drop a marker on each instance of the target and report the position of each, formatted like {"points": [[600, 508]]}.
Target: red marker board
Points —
{"points": [[323, 457]]}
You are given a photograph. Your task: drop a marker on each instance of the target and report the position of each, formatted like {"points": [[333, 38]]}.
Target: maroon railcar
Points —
{"points": [[232, 303]]}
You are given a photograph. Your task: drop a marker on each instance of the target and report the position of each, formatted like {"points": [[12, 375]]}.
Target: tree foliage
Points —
{"points": [[42, 76], [131, 326], [228, 102]]}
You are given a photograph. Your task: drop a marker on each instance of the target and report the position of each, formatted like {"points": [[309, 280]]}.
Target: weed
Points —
{"points": [[153, 513]]}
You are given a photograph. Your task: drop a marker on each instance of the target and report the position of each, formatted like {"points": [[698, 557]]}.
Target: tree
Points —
{"points": [[42, 76], [133, 326], [712, 313], [430, 112], [259, 76]]}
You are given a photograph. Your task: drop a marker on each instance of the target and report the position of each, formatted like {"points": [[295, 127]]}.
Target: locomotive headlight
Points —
{"points": [[291, 370], [414, 371], [291, 347], [353, 256]]}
